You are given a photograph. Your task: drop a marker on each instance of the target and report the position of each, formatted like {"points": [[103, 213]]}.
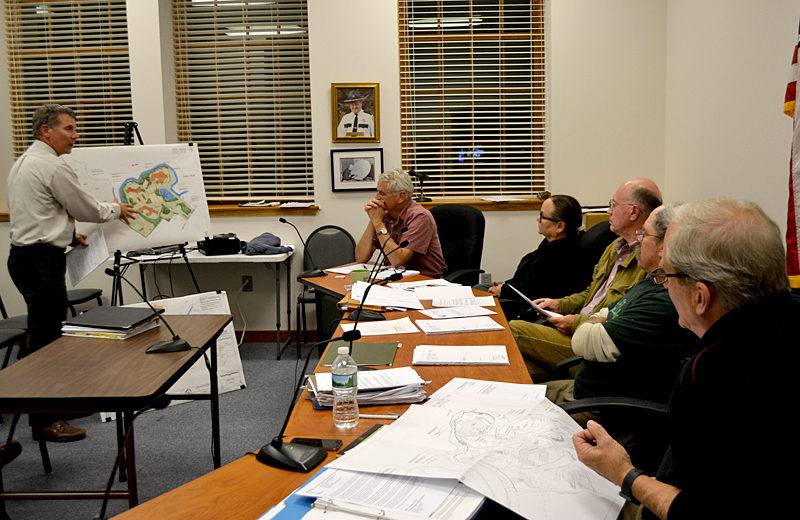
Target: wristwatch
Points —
{"points": [[627, 483], [382, 231]]}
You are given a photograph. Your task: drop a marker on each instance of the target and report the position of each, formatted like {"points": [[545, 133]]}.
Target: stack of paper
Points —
{"points": [[460, 355], [457, 325], [390, 386]]}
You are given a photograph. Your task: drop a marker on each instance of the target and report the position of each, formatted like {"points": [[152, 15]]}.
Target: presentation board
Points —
{"points": [[163, 182]]}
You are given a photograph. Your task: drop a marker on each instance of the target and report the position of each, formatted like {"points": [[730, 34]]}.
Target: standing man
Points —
{"points": [[392, 210], [542, 346], [729, 440], [44, 200], [356, 123]]}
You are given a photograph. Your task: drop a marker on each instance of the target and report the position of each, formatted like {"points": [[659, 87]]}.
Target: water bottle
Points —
{"points": [[344, 375]]}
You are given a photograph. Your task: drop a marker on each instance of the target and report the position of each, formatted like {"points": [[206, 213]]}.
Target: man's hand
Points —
{"points": [[600, 452], [496, 289], [126, 211], [563, 323], [375, 210], [79, 240], [548, 304]]}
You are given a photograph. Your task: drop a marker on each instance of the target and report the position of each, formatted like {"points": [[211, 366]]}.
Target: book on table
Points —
{"points": [[111, 322]]}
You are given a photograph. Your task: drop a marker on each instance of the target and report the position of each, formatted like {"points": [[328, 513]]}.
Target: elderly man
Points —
{"points": [[393, 210], [44, 200], [356, 123], [634, 347], [542, 346], [729, 450]]}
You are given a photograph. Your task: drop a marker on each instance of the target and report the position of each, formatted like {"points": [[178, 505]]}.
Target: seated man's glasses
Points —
{"points": [[660, 276]]}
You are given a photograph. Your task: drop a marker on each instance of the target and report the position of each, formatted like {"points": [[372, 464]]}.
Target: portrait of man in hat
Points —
{"points": [[353, 107], [356, 123]]}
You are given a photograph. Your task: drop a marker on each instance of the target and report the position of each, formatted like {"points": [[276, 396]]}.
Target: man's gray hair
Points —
{"points": [[397, 180], [663, 219], [48, 115], [732, 245]]}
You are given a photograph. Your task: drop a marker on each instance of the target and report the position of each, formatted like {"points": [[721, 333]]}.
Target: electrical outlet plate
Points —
{"points": [[247, 283], [486, 278]]}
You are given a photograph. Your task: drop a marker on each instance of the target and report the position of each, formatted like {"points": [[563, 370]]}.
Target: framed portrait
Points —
{"points": [[356, 170], [356, 112]]}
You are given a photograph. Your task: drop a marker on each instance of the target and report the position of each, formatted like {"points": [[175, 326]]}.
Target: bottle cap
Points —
{"points": [[343, 351]]}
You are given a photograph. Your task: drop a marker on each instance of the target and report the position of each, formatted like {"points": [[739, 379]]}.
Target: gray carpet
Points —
{"points": [[173, 446]]}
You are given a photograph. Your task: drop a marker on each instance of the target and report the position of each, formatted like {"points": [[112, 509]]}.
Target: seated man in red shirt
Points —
{"points": [[389, 212]]}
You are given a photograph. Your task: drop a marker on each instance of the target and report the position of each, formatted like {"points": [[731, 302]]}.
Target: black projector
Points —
{"points": [[226, 244]]}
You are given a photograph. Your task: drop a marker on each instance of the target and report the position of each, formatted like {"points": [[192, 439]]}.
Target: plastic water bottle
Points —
{"points": [[344, 375]]}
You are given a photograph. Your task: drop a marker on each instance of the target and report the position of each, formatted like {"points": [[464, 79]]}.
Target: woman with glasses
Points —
{"points": [[555, 267]]}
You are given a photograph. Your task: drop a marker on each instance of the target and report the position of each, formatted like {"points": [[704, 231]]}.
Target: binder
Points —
{"points": [[115, 318]]}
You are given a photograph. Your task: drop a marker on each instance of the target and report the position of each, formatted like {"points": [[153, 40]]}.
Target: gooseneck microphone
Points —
{"points": [[361, 314], [288, 455], [312, 273], [176, 344]]}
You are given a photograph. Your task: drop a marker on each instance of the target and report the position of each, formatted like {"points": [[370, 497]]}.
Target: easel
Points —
{"points": [[132, 127]]}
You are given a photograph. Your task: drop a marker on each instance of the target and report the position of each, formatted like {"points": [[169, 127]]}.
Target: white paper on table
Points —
{"points": [[414, 496], [549, 314], [374, 379], [445, 291], [457, 325], [411, 286], [457, 312], [381, 296], [460, 355], [482, 301], [349, 268], [516, 452], [83, 260], [380, 328]]}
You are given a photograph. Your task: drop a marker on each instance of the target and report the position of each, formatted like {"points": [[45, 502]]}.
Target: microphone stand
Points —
{"points": [[288, 455], [176, 344], [312, 273], [361, 314]]}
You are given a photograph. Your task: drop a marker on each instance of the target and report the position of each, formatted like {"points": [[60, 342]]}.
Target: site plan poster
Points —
{"points": [[163, 182]]}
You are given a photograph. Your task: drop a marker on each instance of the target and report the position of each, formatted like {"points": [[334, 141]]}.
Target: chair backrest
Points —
{"points": [[3, 308], [329, 246], [461, 229], [592, 244]]}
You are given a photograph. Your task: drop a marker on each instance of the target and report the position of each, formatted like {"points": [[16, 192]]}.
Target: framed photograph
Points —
{"points": [[356, 170], [356, 112]]}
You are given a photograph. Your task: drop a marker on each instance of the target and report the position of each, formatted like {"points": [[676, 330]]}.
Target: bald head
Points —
{"points": [[632, 203]]}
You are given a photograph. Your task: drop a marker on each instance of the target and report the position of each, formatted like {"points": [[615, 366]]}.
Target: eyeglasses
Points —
{"points": [[660, 276], [551, 219], [640, 234], [613, 204]]}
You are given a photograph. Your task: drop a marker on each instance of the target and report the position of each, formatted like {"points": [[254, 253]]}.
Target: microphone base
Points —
{"points": [[423, 199], [313, 273], [290, 456], [175, 344], [365, 315]]}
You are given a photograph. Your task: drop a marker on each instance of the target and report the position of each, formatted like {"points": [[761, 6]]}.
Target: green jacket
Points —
{"points": [[628, 275]]}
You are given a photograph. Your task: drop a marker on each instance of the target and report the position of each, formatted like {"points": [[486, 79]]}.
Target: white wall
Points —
{"points": [[685, 92]]}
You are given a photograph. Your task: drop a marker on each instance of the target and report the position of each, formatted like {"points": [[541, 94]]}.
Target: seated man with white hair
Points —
{"points": [[729, 441], [392, 210]]}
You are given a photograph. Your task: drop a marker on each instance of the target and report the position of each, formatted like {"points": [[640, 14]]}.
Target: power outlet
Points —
{"points": [[247, 283], [486, 278]]}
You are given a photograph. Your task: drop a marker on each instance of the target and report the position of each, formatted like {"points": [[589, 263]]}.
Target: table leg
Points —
{"points": [[130, 460], [215, 434]]}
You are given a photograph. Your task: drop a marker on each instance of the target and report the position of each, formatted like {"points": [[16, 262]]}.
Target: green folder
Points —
{"points": [[364, 353]]}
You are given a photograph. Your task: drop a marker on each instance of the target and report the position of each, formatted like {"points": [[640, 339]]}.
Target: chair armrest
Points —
{"points": [[602, 404], [455, 276], [562, 369]]}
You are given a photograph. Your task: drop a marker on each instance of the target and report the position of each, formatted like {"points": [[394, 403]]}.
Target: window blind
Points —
{"points": [[243, 95], [71, 52], [473, 95]]}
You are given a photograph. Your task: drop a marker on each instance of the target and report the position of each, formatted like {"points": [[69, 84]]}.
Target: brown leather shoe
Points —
{"points": [[9, 451], [59, 431]]}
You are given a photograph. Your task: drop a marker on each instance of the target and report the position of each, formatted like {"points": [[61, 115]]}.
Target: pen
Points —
{"points": [[378, 416]]}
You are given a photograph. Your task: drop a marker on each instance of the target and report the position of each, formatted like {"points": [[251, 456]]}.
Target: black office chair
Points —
{"points": [[461, 229], [327, 246], [593, 243], [79, 296]]}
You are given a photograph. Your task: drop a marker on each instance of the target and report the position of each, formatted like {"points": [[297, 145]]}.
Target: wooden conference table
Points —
{"points": [[102, 375], [245, 489]]}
